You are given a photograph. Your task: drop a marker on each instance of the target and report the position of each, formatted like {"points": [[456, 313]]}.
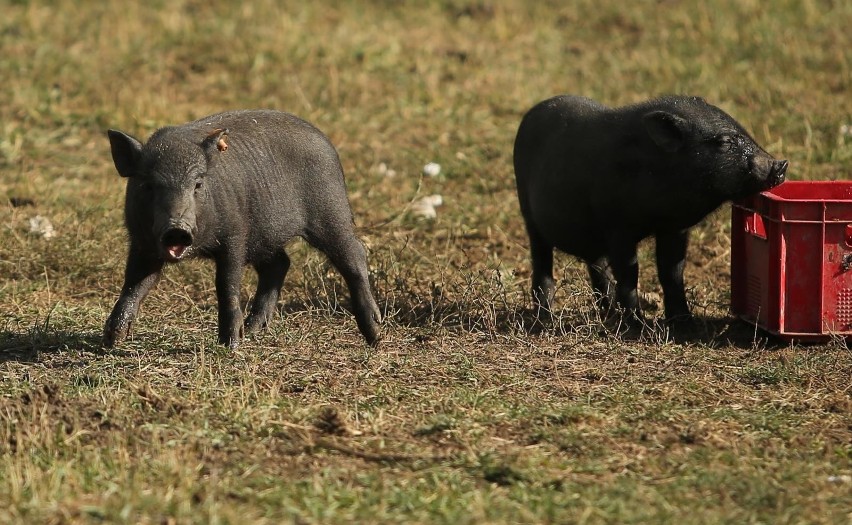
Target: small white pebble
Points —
{"points": [[425, 206], [843, 478], [41, 226], [435, 200], [433, 169], [382, 169], [424, 210]]}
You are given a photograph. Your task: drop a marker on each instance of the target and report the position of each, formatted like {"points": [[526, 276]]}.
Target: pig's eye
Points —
{"points": [[726, 143]]}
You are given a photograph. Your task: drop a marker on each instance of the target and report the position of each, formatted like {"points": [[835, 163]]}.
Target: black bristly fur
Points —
{"points": [[593, 181]]}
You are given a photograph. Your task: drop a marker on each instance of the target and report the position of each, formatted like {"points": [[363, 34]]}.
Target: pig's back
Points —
{"points": [[284, 171], [269, 143], [544, 128]]}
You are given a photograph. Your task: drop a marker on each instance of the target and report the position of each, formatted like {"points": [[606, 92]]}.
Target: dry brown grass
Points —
{"points": [[466, 413]]}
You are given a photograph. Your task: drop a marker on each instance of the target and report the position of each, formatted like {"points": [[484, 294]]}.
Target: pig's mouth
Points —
{"points": [[176, 244], [776, 175], [175, 252]]}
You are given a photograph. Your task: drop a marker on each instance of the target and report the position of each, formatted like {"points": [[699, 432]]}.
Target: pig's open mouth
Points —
{"points": [[175, 252], [175, 244]]}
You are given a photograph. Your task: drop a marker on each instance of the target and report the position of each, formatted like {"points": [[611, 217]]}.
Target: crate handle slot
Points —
{"points": [[848, 236], [755, 226]]}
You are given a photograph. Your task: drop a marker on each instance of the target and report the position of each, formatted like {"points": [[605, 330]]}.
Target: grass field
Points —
{"points": [[463, 414]]}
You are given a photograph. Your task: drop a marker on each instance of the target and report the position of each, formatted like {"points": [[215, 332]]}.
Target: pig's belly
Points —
{"points": [[575, 232]]}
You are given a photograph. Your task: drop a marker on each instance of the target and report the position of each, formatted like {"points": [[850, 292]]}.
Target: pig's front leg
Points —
{"points": [[140, 276], [625, 268], [671, 256], [229, 272]]}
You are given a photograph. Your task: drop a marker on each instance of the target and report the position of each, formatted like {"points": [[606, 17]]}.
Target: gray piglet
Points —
{"points": [[235, 187]]}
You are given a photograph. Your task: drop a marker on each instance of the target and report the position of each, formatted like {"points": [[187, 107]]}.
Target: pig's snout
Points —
{"points": [[175, 242], [767, 171], [777, 173]]}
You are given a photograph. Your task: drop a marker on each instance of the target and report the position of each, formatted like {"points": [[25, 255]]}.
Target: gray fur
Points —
{"points": [[594, 181], [235, 187]]}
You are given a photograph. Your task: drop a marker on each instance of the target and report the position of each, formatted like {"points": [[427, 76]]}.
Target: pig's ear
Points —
{"points": [[126, 152], [214, 145], [665, 129]]}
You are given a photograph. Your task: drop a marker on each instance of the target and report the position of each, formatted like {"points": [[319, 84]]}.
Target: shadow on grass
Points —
{"points": [[471, 310], [419, 315], [520, 321], [725, 331], [497, 318], [27, 347]]}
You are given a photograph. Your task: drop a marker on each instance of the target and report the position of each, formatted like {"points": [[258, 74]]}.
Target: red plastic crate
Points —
{"points": [[791, 260]]}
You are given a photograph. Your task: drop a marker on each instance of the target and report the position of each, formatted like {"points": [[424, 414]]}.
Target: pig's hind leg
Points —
{"points": [[625, 268], [603, 283], [270, 279], [348, 255], [543, 286]]}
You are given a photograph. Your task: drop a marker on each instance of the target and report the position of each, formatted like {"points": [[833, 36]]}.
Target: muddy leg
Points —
{"points": [[140, 276]]}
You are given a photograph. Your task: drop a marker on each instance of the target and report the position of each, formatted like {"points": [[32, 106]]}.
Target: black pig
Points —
{"points": [[593, 181], [235, 187]]}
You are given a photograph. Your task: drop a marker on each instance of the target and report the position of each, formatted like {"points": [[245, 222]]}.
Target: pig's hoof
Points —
{"points": [[256, 323], [252, 327], [540, 322], [373, 337], [541, 318], [113, 336], [684, 325], [542, 314], [231, 343], [634, 320], [628, 324], [682, 321], [369, 326]]}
